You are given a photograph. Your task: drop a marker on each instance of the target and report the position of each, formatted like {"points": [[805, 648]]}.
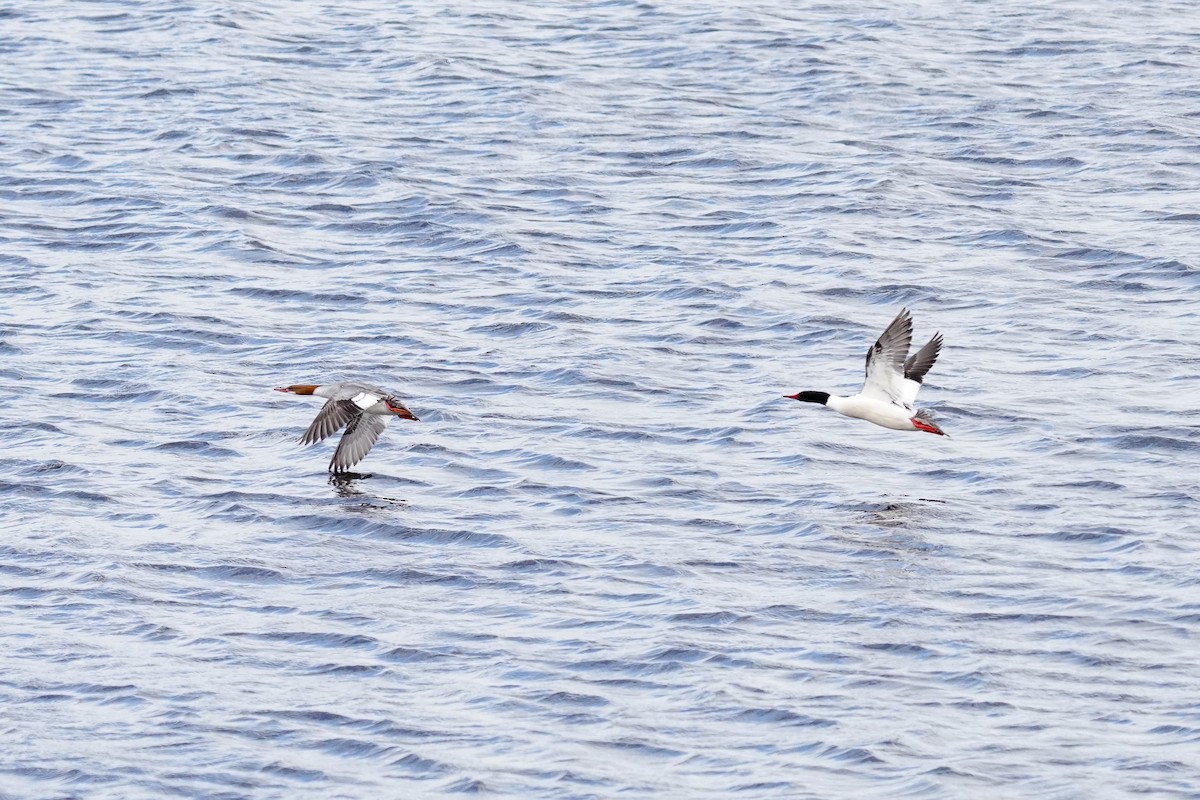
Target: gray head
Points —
{"points": [[809, 397]]}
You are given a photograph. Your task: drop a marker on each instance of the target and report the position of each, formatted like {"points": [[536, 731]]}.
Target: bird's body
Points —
{"points": [[889, 415], [362, 410], [893, 379]]}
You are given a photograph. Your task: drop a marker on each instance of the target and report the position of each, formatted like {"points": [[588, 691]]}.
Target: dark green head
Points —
{"points": [[809, 397]]}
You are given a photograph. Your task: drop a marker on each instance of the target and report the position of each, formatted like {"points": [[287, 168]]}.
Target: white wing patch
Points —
{"points": [[365, 400]]}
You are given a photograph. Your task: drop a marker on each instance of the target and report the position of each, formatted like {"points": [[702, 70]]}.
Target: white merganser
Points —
{"points": [[892, 382], [362, 410]]}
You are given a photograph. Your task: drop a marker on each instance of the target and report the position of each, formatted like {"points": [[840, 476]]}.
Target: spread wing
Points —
{"points": [[332, 417], [916, 366], [885, 361], [920, 362], [360, 436]]}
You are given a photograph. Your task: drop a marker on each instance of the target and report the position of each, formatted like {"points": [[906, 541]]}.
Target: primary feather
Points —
{"points": [[885, 361]]}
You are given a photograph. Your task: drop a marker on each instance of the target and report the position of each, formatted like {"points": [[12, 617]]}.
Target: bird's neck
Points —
{"points": [[838, 403], [305, 388]]}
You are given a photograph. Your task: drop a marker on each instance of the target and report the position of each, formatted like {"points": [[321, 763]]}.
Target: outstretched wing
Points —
{"points": [[916, 367], [360, 436], [885, 361], [920, 362], [332, 417]]}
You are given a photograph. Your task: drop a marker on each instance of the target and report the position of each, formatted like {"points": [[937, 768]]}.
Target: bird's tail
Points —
{"points": [[923, 421]]}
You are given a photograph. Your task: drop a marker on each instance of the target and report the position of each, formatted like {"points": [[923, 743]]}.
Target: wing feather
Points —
{"points": [[920, 362], [885, 361], [360, 436], [332, 417], [916, 367]]}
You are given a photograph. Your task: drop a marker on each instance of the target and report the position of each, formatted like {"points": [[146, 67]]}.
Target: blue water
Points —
{"points": [[592, 245]]}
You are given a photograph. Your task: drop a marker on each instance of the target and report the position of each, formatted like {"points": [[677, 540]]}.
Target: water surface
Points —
{"points": [[592, 245]]}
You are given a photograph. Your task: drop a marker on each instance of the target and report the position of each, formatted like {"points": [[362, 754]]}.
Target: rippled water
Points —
{"points": [[592, 245]]}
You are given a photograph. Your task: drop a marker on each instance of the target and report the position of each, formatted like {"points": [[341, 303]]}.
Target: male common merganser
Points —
{"points": [[362, 410], [892, 382]]}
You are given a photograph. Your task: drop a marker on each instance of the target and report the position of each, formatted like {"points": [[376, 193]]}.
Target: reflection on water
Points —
{"points": [[346, 483], [900, 512], [353, 485]]}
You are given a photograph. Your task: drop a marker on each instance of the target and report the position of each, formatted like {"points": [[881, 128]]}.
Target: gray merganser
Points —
{"points": [[892, 383], [362, 410]]}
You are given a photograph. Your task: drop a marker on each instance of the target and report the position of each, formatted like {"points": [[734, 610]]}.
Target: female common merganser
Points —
{"points": [[892, 382], [362, 410]]}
